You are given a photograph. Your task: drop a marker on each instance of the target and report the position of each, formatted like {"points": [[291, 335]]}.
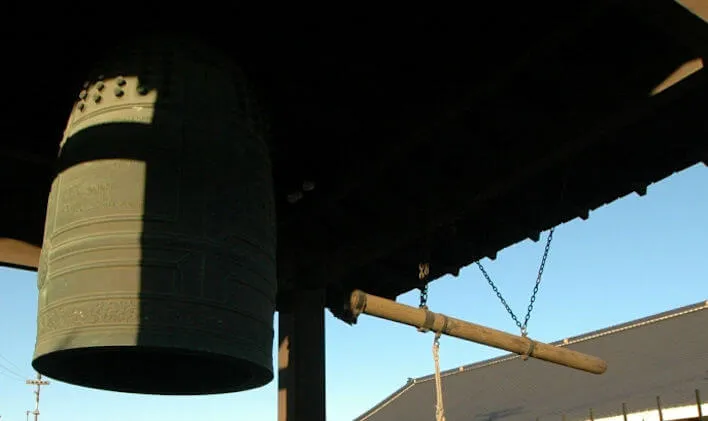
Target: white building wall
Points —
{"points": [[670, 414]]}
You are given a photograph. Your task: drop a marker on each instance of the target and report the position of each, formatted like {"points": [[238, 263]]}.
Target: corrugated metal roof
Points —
{"points": [[665, 354]]}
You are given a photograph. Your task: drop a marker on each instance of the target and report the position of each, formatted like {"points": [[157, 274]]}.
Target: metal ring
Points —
{"points": [[429, 321], [532, 345], [443, 328]]}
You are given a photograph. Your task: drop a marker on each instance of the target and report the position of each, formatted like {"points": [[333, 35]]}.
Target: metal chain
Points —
{"points": [[423, 272], [423, 297], [523, 325]]}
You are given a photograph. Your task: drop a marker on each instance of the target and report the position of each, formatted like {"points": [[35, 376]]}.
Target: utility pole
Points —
{"points": [[38, 383], [27, 415]]}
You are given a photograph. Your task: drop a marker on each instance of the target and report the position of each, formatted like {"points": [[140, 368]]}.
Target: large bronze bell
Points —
{"points": [[158, 272]]}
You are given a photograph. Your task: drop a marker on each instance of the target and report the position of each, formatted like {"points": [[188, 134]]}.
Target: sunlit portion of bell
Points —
{"points": [[157, 273]]}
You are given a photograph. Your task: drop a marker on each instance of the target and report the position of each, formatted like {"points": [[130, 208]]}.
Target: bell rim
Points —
{"points": [[62, 365]]}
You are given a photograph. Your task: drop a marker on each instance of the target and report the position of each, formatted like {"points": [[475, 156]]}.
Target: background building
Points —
{"points": [[665, 356]]}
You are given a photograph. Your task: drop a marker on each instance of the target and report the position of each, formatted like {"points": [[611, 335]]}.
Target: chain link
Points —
{"points": [[423, 297], [423, 272], [523, 325]]}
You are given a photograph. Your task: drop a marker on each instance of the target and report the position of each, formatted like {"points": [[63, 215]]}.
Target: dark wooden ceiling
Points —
{"points": [[429, 133]]}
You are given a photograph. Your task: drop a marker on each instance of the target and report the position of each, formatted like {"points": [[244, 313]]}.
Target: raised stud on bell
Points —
{"points": [[308, 185]]}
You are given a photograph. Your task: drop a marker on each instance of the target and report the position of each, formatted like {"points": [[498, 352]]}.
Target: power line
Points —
{"points": [[7, 371], [10, 362], [8, 376]]}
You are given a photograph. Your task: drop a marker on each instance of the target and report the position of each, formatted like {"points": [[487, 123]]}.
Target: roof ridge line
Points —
{"points": [[382, 404], [643, 321]]}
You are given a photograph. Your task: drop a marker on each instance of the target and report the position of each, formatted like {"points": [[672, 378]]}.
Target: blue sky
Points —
{"points": [[635, 257]]}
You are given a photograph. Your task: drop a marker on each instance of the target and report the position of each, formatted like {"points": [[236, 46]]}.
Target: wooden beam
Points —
{"points": [[361, 302], [684, 20], [19, 254], [697, 7], [682, 72]]}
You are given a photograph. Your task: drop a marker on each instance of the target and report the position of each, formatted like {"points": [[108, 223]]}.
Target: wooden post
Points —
{"points": [[301, 358], [624, 411], [361, 302], [661, 411], [592, 415]]}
